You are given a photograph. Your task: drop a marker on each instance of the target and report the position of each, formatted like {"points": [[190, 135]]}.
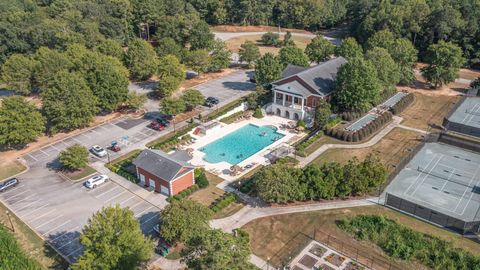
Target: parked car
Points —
{"points": [[115, 147], [156, 125], [98, 151], [163, 120], [160, 251], [211, 101], [96, 180], [10, 183]]}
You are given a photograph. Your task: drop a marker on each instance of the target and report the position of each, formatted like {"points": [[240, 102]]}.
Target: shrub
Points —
{"points": [[223, 202], [301, 123], [258, 113], [184, 193], [248, 186], [355, 137], [123, 166], [200, 178], [271, 39]]}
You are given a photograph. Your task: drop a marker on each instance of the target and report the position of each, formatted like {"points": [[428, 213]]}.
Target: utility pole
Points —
{"points": [[10, 219]]}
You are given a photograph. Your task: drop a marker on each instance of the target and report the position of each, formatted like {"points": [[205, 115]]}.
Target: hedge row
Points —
{"points": [[350, 116], [121, 167], [232, 118], [402, 104], [300, 148], [184, 193], [362, 133], [333, 122], [222, 202]]}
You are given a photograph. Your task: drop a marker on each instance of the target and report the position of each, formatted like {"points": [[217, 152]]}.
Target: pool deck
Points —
{"points": [[222, 169]]}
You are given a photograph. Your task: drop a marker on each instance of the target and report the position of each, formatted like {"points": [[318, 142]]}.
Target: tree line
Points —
{"points": [[281, 183]]}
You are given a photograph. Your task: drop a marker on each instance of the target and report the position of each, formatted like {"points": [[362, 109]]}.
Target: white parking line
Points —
{"points": [[46, 213], [85, 135], [32, 157], [13, 189], [111, 198], [74, 239], [76, 250], [28, 197], [55, 147], [110, 190], [75, 139], [126, 200], [46, 222], [137, 215], [94, 131], [135, 205], [43, 152], [65, 232], [34, 210], [24, 207], [66, 222], [154, 216]]}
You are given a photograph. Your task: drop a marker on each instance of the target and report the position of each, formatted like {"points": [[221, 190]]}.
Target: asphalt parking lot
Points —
{"points": [[57, 209]]}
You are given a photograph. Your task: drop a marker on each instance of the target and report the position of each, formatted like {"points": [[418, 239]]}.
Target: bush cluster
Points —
{"points": [[232, 118], [281, 183], [350, 116], [258, 113], [300, 148], [332, 123], [248, 186], [402, 104], [200, 178], [223, 202], [184, 193], [404, 243], [11, 254], [123, 167], [362, 133], [271, 39]]}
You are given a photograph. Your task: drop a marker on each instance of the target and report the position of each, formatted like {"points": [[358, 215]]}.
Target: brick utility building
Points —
{"points": [[166, 174], [297, 93]]}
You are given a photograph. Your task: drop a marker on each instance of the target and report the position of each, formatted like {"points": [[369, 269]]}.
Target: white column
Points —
{"points": [[303, 104], [274, 97], [284, 99]]}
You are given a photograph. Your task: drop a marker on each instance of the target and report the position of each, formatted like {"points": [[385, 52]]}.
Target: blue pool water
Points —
{"points": [[240, 144]]}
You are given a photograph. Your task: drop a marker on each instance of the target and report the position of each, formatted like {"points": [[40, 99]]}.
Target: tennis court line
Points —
{"points": [[425, 176], [466, 188], [416, 179]]}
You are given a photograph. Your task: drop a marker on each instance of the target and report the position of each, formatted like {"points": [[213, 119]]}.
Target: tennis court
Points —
{"points": [[465, 118], [440, 184]]}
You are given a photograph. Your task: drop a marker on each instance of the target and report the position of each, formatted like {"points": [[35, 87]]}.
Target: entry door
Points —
{"points": [[164, 190], [142, 179], [152, 183]]}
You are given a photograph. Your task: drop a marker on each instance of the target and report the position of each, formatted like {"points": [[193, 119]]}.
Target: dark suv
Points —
{"points": [[211, 101], [8, 184]]}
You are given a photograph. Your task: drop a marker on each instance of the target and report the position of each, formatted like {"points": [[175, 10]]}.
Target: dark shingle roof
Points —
{"points": [[319, 79], [161, 164], [291, 70]]}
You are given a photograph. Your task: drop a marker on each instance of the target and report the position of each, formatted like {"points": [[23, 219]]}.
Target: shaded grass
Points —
{"points": [[229, 210], [233, 44], [10, 169], [80, 174], [274, 234]]}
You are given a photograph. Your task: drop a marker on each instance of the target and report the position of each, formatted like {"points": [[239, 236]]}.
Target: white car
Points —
{"points": [[98, 151], [95, 181]]}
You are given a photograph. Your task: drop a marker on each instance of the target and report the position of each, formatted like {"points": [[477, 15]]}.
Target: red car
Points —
{"points": [[156, 126]]}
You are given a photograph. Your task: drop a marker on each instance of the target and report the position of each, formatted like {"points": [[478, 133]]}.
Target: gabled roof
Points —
{"points": [[291, 70], [319, 79], [161, 164]]}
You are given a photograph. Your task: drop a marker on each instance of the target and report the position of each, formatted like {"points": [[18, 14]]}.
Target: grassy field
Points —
{"points": [[33, 245], [80, 174], [234, 43], [275, 235], [11, 168], [318, 143], [426, 110], [209, 194], [391, 149], [229, 210]]}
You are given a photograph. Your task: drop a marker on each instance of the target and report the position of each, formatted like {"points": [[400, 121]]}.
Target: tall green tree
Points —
{"points": [[214, 249], [74, 157], [112, 48], [135, 101], [141, 59], [17, 73], [113, 240], [168, 46], [381, 39], [268, 69], [373, 170], [172, 106], [319, 49], [349, 48], [198, 60], [405, 55], [109, 82], [192, 98], [201, 37], [183, 220], [278, 184], [357, 86], [49, 63], [387, 70], [220, 56], [322, 114], [170, 73], [293, 55], [249, 53], [318, 187], [20, 122], [444, 61], [68, 103]]}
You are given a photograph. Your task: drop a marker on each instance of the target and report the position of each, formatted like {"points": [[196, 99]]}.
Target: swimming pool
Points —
{"points": [[239, 145]]}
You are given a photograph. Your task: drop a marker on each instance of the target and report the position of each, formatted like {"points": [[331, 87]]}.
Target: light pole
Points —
{"points": [[10, 219]]}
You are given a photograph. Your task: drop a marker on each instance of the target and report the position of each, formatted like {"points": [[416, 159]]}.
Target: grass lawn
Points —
{"points": [[11, 168], [209, 194], [321, 141], [80, 174], [427, 110], [229, 210], [270, 237], [391, 149], [33, 245], [234, 43]]}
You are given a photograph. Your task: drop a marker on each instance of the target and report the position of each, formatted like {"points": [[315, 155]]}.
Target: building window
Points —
{"points": [[279, 96]]}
